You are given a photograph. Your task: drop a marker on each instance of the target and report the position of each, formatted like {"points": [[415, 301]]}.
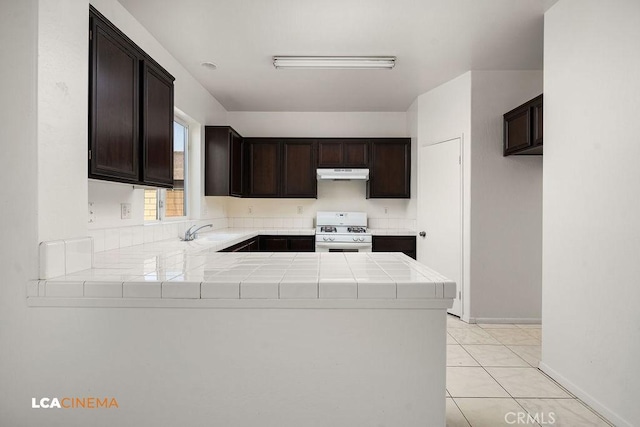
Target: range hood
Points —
{"points": [[343, 174]]}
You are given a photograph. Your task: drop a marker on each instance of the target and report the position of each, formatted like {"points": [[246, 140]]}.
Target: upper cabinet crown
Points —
{"points": [[130, 110], [523, 128]]}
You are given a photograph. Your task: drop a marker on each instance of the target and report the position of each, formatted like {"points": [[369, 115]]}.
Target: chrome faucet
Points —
{"points": [[191, 235]]}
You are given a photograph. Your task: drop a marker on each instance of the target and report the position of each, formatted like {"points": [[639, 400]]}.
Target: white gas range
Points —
{"points": [[342, 232]]}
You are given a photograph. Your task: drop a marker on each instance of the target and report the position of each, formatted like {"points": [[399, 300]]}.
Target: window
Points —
{"points": [[171, 203]]}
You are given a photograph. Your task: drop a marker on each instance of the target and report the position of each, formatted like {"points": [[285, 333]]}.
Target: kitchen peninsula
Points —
{"points": [[275, 339]]}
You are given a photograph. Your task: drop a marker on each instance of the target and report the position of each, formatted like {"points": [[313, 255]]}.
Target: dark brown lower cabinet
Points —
{"points": [[275, 244], [405, 244], [249, 245], [302, 244], [287, 243]]}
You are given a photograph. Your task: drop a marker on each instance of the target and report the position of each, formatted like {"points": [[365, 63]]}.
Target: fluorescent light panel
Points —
{"points": [[329, 62]]}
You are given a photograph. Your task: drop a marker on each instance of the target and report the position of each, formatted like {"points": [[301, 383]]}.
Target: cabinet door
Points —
{"points": [[273, 243], [114, 80], [405, 244], [264, 168], [390, 170], [536, 107], [330, 154], [216, 161], [302, 244], [517, 131], [235, 164], [157, 129], [356, 154], [299, 169]]}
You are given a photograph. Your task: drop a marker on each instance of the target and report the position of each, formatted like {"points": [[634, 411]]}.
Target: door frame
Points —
{"points": [[460, 286]]}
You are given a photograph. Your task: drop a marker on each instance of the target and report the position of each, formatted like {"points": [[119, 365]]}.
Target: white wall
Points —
{"points": [[62, 122], [502, 197], [444, 113], [506, 204], [18, 201], [331, 195], [63, 52], [591, 233]]}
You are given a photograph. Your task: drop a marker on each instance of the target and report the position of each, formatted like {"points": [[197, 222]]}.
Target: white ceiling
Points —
{"points": [[434, 41]]}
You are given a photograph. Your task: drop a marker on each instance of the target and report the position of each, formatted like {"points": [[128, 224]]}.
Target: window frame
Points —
{"points": [[161, 193]]}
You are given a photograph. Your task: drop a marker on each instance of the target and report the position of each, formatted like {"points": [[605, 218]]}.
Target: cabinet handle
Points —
{"points": [[423, 234]]}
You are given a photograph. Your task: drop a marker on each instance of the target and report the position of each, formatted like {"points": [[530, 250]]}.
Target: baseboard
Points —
{"points": [[605, 412], [520, 320]]}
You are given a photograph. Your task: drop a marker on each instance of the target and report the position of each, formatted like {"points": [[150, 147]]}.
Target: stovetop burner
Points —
{"points": [[356, 229], [328, 229]]}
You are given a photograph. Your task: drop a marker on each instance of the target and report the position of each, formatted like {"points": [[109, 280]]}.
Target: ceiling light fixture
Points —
{"points": [[209, 65], [335, 62]]}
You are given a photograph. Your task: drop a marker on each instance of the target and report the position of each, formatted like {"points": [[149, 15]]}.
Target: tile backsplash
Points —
{"points": [[61, 257]]}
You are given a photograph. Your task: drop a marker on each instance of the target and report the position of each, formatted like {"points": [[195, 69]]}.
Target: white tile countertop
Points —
{"points": [[177, 272], [392, 232]]}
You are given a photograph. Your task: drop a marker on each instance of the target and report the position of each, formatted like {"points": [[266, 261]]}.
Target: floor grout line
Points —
{"points": [[571, 396]]}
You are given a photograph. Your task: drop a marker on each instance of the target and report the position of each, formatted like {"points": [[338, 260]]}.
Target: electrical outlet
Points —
{"points": [[125, 210], [300, 210], [386, 210], [250, 209], [92, 213]]}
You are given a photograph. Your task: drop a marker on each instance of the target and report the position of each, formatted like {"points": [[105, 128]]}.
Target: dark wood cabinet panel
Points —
{"points": [[523, 129], [343, 153], [157, 129], [114, 106], [274, 243], [405, 244], [236, 177], [287, 243], [249, 245], [537, 121], [268, 243], [330, 154], [130, 110], [224, 156], [302, 244], [356, 154], [390, 168], [264, 168], [299, 169]]}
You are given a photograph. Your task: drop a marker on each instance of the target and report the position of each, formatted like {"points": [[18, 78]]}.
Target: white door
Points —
{"points": [[440, 212]]}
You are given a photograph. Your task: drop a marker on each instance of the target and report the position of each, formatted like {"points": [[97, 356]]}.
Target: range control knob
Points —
{"points": [[325, 238]]}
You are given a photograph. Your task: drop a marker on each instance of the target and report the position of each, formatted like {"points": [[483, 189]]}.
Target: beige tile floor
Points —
{"points": [[492, 379]]}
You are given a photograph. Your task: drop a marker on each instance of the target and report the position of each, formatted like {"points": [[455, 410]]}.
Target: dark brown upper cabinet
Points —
{"points": [[224, 156], [263, 167], [343, 153], [390, 169], [299, 168], [130, 110], [157, 126], [523, 129]]}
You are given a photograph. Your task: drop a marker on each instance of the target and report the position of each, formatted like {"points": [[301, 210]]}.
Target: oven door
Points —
{"points": [[342, 247]]}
